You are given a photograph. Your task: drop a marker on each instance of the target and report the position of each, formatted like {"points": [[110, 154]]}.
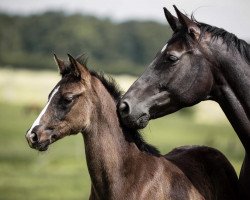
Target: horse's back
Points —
{"points": [[208, 170]]}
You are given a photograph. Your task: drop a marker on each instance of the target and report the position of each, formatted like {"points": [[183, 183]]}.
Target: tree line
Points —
{"points": [[127, 47]]}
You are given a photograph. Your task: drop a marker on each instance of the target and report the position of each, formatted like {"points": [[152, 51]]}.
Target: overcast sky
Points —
{"points": [[232, 15]]}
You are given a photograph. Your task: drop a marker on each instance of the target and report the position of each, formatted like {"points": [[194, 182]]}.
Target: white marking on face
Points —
{"points": [[164, 48], [37, 121]]}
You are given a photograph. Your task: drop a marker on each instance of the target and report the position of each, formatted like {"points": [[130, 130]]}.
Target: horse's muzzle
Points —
{"points": [[137, 120]]}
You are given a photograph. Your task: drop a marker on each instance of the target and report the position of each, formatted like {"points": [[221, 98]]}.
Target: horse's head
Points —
{"points": [[179, 76], [68, 108]]}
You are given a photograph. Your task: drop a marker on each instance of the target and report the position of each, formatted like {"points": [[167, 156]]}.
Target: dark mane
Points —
{"points": [[112, 87], [231, 40], [110, 84]]}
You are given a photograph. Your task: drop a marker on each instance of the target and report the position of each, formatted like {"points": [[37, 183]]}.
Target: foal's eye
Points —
{"points": [[173, 58], [68, 99]]}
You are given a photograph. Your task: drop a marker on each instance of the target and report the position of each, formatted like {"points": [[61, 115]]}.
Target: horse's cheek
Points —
{"points": [[206, 81], [200, 88]]}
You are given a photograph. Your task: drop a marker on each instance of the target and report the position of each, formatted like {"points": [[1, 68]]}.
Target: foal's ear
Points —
{"points": [[189, 24], [78, 70], [60, 63], [172, 20]]}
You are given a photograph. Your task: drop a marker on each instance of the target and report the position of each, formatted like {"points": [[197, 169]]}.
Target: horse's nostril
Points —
{"points": [[124, 108], [53, 137], [33, 137]]}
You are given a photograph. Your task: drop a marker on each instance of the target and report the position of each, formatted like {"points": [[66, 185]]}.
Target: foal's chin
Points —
{"points": [[41, 146], [43, 149]]}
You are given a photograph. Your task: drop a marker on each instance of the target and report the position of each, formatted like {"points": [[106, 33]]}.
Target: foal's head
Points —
{"points": [[69, 106]]}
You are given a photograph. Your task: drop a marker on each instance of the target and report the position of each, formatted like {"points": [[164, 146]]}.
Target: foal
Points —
{"points": [[121, 165]]}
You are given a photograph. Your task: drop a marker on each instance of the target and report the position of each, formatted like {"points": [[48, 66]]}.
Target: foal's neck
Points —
{"points": [[232, 89], [106, 147]]}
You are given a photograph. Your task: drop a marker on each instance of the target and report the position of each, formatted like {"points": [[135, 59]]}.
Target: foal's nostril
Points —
{"points": [[33, 137], [53, 137], [124, 108]]}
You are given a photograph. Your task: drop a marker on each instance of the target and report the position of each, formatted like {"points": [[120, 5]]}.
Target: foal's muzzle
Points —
{"points": [[39, 138]]}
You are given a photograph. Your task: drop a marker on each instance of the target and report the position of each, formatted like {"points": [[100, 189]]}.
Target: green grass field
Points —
{"points": [[61, 172]]}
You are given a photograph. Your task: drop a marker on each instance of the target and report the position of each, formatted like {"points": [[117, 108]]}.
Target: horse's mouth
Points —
{"points": [[42, 146], [142, 121], [136, 122]]}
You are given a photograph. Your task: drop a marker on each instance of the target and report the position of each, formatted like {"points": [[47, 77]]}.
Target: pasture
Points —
{"points": [[61, 172]]}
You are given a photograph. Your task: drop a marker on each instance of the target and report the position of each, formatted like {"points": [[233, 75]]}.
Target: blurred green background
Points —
{"points": [[117, 48], [28, 73]]}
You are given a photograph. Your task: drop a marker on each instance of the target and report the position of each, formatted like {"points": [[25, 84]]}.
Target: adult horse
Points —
{"points": [[199, 62], [120, 163]]}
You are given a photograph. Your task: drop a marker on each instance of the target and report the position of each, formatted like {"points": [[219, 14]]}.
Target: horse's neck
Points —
{"points": [[106, 148], [232, 91]]}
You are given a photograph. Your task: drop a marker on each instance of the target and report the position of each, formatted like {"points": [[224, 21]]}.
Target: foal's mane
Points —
{"points": [[132, 135], [231, 40]]}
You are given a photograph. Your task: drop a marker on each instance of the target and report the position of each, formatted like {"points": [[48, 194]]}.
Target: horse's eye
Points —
{"points": [[68, 99], [173, 58]]}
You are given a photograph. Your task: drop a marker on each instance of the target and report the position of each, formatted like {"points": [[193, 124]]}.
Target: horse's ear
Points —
{"points": [[172, 20], [189, 24], [60, 63], [78, 69]]}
